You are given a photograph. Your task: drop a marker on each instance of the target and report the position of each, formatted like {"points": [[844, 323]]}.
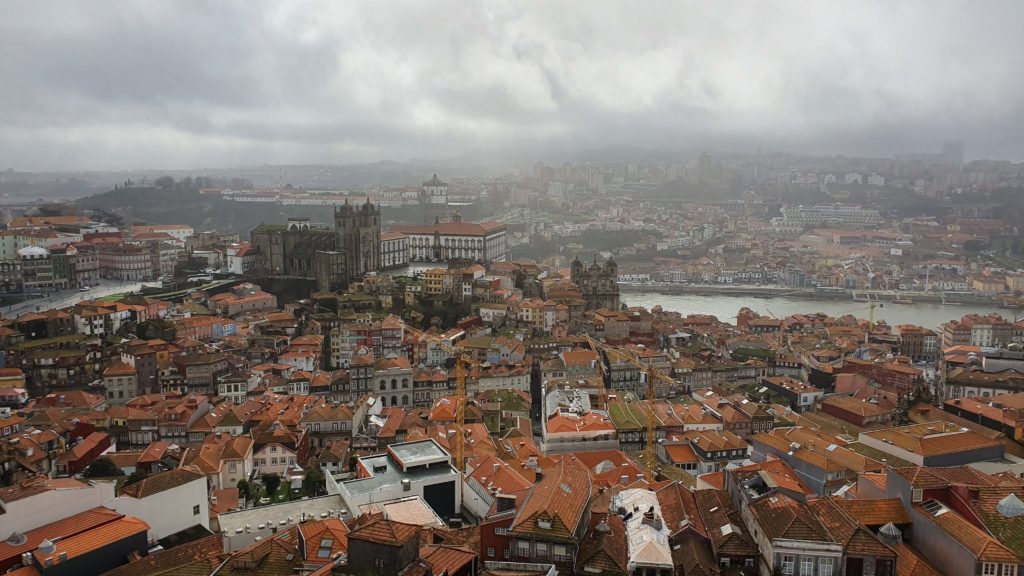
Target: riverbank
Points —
{"points": [[833, 294], [725, 307]]}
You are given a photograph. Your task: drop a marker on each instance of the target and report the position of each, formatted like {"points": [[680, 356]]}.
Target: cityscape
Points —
{"points": [[348, 302]]}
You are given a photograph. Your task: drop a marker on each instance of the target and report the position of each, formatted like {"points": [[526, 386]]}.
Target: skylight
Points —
{"points": [[934, 508]]}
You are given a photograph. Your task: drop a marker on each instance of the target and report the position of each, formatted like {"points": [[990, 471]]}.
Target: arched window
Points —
{"points": [[383, 401], [405, 400], [383, 385], [405, 382], [394, 383]]}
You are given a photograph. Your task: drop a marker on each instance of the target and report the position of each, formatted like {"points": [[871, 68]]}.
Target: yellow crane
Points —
{"points": [[602, 393], [652, 374], [461, 360]]}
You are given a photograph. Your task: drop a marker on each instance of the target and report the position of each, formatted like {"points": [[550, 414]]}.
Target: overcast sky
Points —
{"points": [[137, 84]]}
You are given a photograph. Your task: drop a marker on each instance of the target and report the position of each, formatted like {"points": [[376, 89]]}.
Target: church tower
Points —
{"points": [[358, 231], [598, 285]]}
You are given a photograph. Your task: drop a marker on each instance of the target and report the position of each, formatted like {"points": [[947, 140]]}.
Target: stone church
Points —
{"points": [[598, 285], [307, 249]]}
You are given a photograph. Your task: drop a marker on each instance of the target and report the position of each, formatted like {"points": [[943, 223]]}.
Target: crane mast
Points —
{"points": [[462, 359], [460, 413], [649, 456]]}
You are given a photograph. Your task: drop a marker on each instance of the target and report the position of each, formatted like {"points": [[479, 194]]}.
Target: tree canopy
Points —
{"points": [[102, 467]]}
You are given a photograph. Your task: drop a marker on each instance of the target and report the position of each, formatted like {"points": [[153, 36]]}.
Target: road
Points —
{"points": [[65, 298]]}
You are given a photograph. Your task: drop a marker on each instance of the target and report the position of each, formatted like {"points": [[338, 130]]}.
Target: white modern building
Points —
{"points": [[39, 501], [169, 502], [420, 468]]}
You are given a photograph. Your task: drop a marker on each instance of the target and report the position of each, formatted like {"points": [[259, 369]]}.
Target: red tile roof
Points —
{"points": [[383, 531], [93, 539], [196, 557], [324, 539], [560, 497], [161, 482], [70, 526]]}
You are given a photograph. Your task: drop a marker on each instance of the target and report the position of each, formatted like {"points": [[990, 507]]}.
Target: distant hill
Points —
{"points": [[151, 205]]}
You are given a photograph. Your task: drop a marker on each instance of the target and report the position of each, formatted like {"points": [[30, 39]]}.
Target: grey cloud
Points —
{"points": [[187, 84]]}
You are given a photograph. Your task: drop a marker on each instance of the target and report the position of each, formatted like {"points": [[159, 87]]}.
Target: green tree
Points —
{"points": [[157, 328], [271, 482], [135, 477], [313, 482], [165, 183], [244, 490], [102, 467]]}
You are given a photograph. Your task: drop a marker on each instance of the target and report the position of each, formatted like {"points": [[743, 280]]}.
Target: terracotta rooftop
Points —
{"points": [[780, 516], [382, 531], [603, 549], [34, 486], [932, 438], [160, 482], [324, 539], [875, 512], [195, 558], [560, 497], [64, 528], [93, 539], [978, 542]]}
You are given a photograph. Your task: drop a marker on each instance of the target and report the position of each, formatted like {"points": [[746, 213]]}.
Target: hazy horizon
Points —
{"points": [[159, 85]]}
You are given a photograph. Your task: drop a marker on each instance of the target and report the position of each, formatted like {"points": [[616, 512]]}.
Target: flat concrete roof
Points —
{"points": [[382, 479], [418, 453], [272, 515], [409, 510]]}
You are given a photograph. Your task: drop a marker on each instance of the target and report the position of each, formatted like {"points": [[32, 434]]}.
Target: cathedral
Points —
{"points": [[598, 285], [310, 250]]}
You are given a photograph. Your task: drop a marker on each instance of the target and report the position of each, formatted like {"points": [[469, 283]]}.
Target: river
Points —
{"points": [[725, 307]]}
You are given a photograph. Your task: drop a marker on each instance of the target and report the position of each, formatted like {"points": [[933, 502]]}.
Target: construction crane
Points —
{"points": [[653, 375], [602, 393], [871, 313], [461, 360]]}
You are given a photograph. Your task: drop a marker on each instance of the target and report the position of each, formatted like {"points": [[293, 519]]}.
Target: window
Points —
{"points": [[501, 531], [506, 553], [232, 467], [825, 566], [273, 448], [324, 551], [1009, 570], [917, 495], [490, 552], [806, 566], [989, 569], [195, 510], [378, 562], [788, 563], [523, 549], [542, 550]]}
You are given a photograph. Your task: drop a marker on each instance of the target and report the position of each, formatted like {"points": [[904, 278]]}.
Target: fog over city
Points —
{"points": [[155, 84]]}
